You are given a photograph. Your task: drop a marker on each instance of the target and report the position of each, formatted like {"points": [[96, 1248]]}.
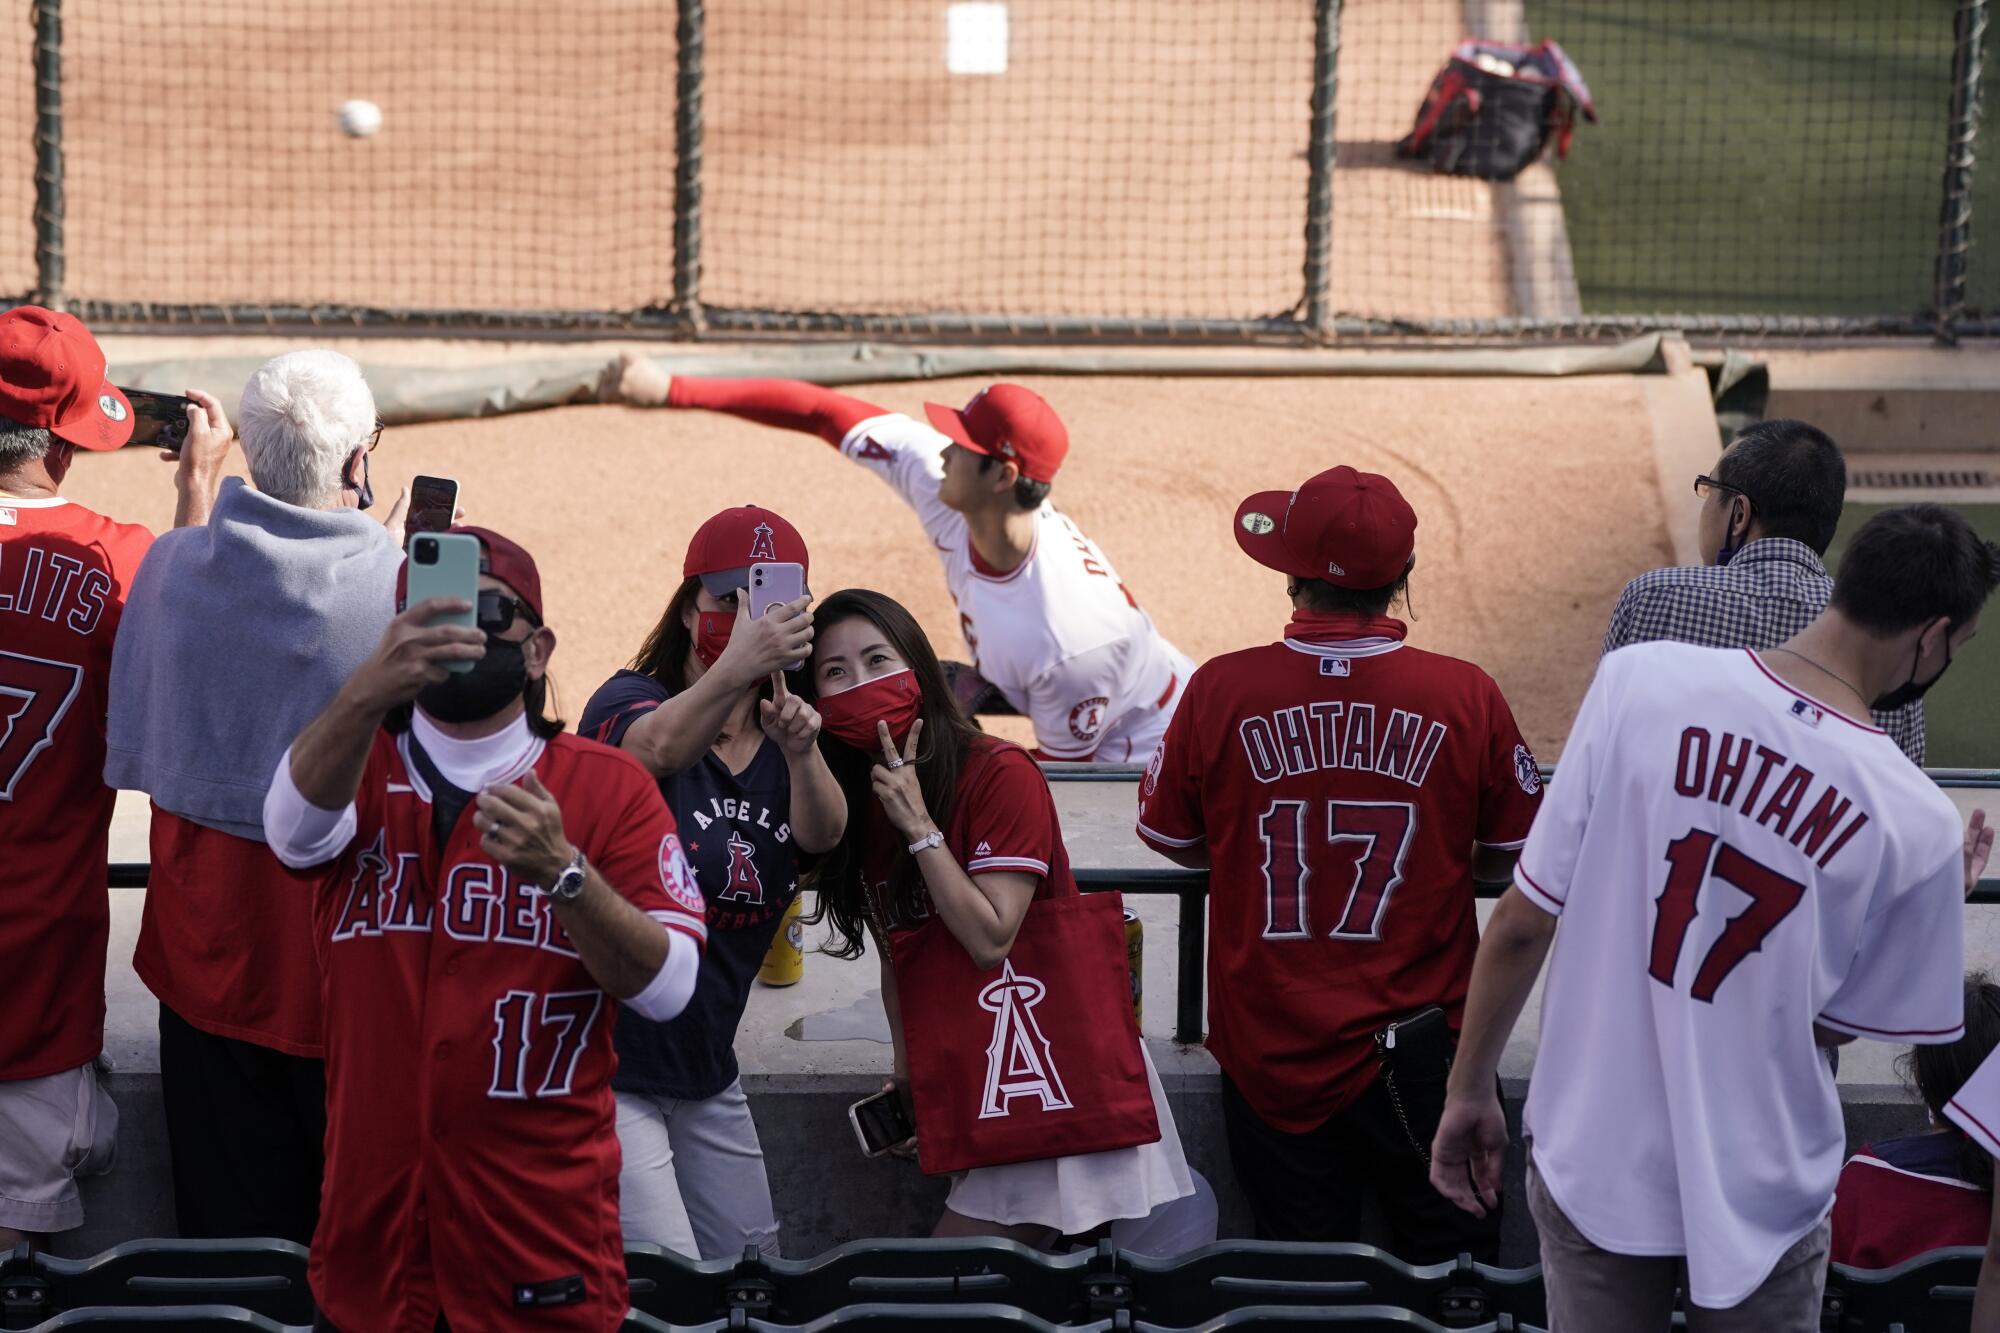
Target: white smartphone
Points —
{"points": [[773, 583]]}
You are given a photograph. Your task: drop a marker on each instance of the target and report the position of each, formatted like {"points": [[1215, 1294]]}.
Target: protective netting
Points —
{"points": [[1113, 166], [1076, 157], [525, 159]]}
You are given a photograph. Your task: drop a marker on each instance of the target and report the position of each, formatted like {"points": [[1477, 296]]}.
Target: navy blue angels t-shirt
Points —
{"points": [[735, 829]]}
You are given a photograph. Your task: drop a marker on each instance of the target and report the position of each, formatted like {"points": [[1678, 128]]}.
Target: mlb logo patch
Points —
{"points": [[10, 518], [1806, 712], [1335, 666]]}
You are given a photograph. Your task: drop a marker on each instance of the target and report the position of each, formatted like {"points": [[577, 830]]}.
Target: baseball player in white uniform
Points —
{"points": [[1745, 868], [1050, 623]]}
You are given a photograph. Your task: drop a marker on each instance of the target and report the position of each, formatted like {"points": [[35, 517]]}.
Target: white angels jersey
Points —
{"points": [[1733, 862], [1975, 1107], [1059, 635]]}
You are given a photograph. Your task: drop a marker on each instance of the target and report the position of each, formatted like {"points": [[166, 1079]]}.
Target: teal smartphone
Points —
{"points": [[446, 564]]}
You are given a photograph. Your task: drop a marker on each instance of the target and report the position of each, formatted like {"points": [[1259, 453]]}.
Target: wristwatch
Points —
{"points": [[932, 839], [569, 884]]}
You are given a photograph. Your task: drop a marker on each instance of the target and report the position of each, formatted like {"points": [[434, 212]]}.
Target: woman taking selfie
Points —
{"points": [[705, 707], [1006, 990]]}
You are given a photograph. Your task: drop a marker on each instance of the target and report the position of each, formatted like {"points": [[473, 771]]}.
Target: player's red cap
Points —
{"points": [[1010, 422], [724, 548], [52, 375], [1352, 529], [506, 561]]}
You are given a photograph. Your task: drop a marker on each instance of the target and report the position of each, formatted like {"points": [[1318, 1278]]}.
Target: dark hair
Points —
{"points": [[1793, 476], [946, 736], [1910, 565], [21, 444], [1027, 494], [1938, 1072], [664, 654], [1319, 595]]}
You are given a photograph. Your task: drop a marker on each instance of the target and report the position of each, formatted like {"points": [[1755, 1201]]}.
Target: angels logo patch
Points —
{"points": [[677, 877], [1526, 771], [1152, 778], [1087, 718], [761, 545]]}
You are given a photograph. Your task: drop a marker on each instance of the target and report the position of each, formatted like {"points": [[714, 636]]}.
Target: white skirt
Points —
{"points": [[1076, 1194]]}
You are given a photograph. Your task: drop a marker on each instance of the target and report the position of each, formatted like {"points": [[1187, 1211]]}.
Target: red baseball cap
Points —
{"points": [[1010, 422], [724, 548], [506, 561], [1352, 529], [52, 375]]}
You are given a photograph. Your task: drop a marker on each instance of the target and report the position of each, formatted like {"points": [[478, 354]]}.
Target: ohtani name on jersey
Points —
{"points": [[728, 807], [1308, 737], [1742, 767], [480, 901]]}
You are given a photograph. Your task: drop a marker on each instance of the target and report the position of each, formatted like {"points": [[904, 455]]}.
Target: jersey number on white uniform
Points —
{"points": [[1772, 898], [34, 695], [1372, 836], [566, 1019]]}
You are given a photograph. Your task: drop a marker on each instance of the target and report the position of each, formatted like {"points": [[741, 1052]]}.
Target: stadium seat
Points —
{"points": [[164, 1319], [1229, 1275], [262, 1277], [1931, 1293], [865, 1273], [1333, 1319]]}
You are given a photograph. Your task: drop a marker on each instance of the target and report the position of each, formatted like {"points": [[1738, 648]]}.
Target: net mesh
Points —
{"points": [[526, 157], [1073, 157], [1084, 160]]}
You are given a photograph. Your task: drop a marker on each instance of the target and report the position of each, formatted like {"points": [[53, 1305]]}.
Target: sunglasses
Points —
{"points": [[497, 611]]}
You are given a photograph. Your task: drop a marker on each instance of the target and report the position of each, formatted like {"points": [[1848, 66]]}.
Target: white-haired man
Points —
{"points": [[234, 637]]}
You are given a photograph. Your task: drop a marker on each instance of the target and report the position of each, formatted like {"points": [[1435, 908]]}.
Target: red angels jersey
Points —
{"points": [[1060, 635], [1338, 784], [64, 572], [1733, 862], [1003, 818], [472, 1163]]}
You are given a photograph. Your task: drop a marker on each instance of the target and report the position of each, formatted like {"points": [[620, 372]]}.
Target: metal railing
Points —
{"points": [[1190, 887]]}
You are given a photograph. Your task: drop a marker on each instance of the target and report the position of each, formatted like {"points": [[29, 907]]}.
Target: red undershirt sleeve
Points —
{"points": [[787, 404]]}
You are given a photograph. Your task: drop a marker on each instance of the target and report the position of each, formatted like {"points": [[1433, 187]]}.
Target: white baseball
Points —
{"points": [[359, 118]]}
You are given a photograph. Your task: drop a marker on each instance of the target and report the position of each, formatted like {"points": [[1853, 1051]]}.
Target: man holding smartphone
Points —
{"points": [[1345, 790], [231, 642]]}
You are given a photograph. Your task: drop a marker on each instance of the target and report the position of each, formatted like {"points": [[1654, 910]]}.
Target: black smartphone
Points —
{"points": [[158, 419], [433, 501], [880, 1122]]}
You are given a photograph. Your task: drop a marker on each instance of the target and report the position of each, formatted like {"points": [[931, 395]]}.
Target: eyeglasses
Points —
{"points": [[497, 611], [375, 436], [1705, 484]]}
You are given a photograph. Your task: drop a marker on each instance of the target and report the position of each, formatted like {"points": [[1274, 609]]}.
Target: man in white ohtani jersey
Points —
{"points": [[1744, 867], [1050, 624]]}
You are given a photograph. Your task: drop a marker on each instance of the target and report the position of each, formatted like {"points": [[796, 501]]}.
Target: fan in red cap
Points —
{"points": [[1055, 634], [499, 892], [1344, 790], [67, 573], [707, 709]]}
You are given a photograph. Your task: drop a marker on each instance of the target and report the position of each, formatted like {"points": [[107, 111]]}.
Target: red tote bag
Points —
{"points": [[1034, 1059]]}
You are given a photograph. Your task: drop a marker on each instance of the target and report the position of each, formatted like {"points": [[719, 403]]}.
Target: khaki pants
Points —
{"points": [[1592, 1290]]}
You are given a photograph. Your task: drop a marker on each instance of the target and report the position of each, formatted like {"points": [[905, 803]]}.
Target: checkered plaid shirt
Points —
{"points": [[1769, 591]]}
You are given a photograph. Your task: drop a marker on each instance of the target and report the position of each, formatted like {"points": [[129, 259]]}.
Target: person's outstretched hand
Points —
{"points": [[1978, 849], [1468, 1153]]}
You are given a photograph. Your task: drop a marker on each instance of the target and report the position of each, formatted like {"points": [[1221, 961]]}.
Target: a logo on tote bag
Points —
{"points": [[1018, 1063]]}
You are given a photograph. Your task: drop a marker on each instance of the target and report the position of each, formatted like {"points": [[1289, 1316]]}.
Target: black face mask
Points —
{"points": [[495, 681], [1910, 690], [365, 491]]}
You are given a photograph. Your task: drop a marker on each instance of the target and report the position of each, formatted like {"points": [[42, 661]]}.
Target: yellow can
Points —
{"points": [[785, 963], [1135, 961]]}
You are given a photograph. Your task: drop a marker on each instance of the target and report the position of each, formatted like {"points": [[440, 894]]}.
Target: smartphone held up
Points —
{"points": [[446, 564], [158, 419]]}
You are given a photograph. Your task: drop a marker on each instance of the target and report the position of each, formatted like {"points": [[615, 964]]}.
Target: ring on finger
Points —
{"points": [[897, 763]]}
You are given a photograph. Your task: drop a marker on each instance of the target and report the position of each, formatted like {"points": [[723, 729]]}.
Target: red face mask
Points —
{"points": [[711, 635], [851, 715]]}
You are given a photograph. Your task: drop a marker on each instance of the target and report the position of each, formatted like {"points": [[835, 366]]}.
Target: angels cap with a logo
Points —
{"points": [[1352, 529], [1008, 422], [724, 548], [52, 375]]}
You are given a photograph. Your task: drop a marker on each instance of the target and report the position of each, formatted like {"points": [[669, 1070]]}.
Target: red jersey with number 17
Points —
{"points": [[63, 575], [1338, 780]]}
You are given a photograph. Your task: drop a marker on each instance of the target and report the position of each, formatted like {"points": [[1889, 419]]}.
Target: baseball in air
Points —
{"points": [[359, 119]]}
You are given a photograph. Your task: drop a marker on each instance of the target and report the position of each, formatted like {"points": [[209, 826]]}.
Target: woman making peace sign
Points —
{"points": [[951, 836]]}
